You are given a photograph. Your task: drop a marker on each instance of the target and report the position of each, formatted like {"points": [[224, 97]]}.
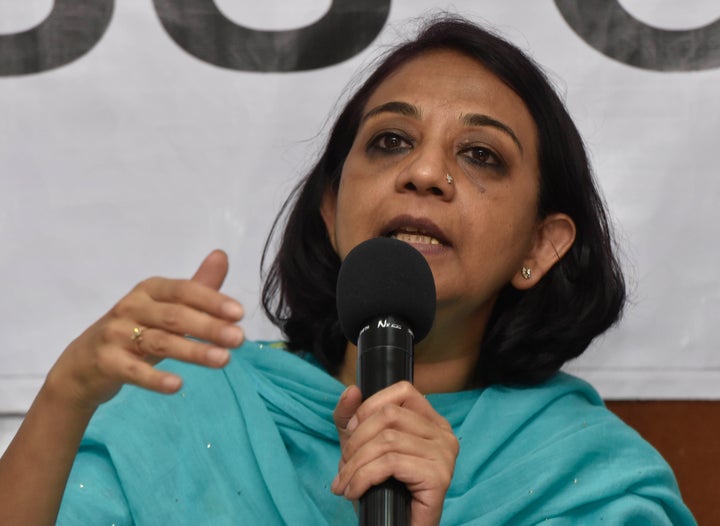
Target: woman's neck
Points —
{"points": [[445, 360]]}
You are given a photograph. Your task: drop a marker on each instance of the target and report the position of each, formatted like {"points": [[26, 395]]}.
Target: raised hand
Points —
{"points": [[160, 314], [151, 323], [395, 433]]}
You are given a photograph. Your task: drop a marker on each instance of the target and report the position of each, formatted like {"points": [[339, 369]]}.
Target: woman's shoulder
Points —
{"points": [[564, 422], [564, 406], [557, 448]]}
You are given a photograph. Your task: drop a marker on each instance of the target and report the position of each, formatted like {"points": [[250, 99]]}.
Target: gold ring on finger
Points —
{"points": [[137, 334]]}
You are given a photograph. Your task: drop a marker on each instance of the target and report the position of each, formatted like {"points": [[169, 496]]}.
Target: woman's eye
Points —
{"points": [[482, 156], [389, 142]]}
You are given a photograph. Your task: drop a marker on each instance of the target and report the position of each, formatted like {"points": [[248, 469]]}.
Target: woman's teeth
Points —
{"points": [[415, 237]]}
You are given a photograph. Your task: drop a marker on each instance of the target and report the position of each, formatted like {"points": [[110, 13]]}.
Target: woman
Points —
{"points": [[457, 145]]}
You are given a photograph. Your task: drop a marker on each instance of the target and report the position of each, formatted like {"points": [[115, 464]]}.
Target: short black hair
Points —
{"points": [[531, 333]]}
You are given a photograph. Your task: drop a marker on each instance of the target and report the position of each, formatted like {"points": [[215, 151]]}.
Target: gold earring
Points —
{"points": [[526, 272]]}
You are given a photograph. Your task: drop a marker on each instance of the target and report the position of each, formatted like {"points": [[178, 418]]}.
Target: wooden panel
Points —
{"points": [[687, 434]]}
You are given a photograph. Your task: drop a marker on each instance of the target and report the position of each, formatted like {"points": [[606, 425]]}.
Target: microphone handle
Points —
{"points": [[385, 356]]}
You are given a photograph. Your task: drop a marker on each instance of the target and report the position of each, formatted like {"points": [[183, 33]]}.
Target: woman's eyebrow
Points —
{"points": [[403, 108], [477, 119], [469, 119]]}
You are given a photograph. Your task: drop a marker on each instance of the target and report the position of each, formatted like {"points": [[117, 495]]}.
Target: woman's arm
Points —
{"points": [[36, 465], [35, 468]]}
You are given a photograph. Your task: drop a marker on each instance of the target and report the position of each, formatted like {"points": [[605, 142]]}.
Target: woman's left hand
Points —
{"points": [[395, 433]]}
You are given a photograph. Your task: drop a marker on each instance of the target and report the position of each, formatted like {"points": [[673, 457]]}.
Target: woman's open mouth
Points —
{"points": [[416, 231], [413, 235]]}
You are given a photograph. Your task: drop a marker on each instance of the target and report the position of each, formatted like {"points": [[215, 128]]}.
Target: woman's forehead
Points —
{"points": [[455, 82]]}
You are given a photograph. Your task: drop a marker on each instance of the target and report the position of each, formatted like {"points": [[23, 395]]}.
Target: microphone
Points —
{"points": [[386, 303]]}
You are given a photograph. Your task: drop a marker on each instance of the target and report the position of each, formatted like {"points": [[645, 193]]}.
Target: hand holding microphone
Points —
{"points": [[398, 452]]}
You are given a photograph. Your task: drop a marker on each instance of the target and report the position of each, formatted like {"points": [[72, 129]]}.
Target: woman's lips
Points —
{"points": [[417, 231]]}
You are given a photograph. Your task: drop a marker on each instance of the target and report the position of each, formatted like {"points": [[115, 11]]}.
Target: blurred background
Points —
{"points": [[137, 136]]}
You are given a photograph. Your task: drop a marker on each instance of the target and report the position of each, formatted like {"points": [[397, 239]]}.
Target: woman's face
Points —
{"points": [[443, 117]]}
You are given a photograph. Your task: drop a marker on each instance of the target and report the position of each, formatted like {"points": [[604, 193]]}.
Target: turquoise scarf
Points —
{"points": [[255, 443]]}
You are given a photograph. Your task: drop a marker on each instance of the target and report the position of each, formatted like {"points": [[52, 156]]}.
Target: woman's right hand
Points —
{"points": [[35, 467], [166, 311]]}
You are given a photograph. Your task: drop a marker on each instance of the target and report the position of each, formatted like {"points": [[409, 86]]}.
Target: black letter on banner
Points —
{"points": [[614, 32], [200, 28], [72, 28]]}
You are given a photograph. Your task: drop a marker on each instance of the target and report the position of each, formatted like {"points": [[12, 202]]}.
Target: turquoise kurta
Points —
{"points": [[255, 443]]}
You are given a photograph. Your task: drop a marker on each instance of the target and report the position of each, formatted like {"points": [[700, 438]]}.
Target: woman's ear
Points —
{"points": [[328, 209], [554, 237]]}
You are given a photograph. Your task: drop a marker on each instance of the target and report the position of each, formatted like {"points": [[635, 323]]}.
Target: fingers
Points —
{"points": [[187, 320], [387, 428], [168, 312], [402, 394], [184, 320], [212, 270], [127, 368], [396, 442], [185, 308], [156, 345], [345, 409], [395, 433], [185, 292], [427, 480]]}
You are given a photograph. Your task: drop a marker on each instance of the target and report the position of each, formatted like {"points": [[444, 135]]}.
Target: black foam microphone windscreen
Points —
{"points": [[383, 276]]}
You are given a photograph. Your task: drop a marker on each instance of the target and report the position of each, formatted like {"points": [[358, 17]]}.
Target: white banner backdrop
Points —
{"points": [[137, 158]]}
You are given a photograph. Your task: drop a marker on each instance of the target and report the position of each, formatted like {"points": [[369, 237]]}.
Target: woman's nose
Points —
{"points": [[427, 174]]}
